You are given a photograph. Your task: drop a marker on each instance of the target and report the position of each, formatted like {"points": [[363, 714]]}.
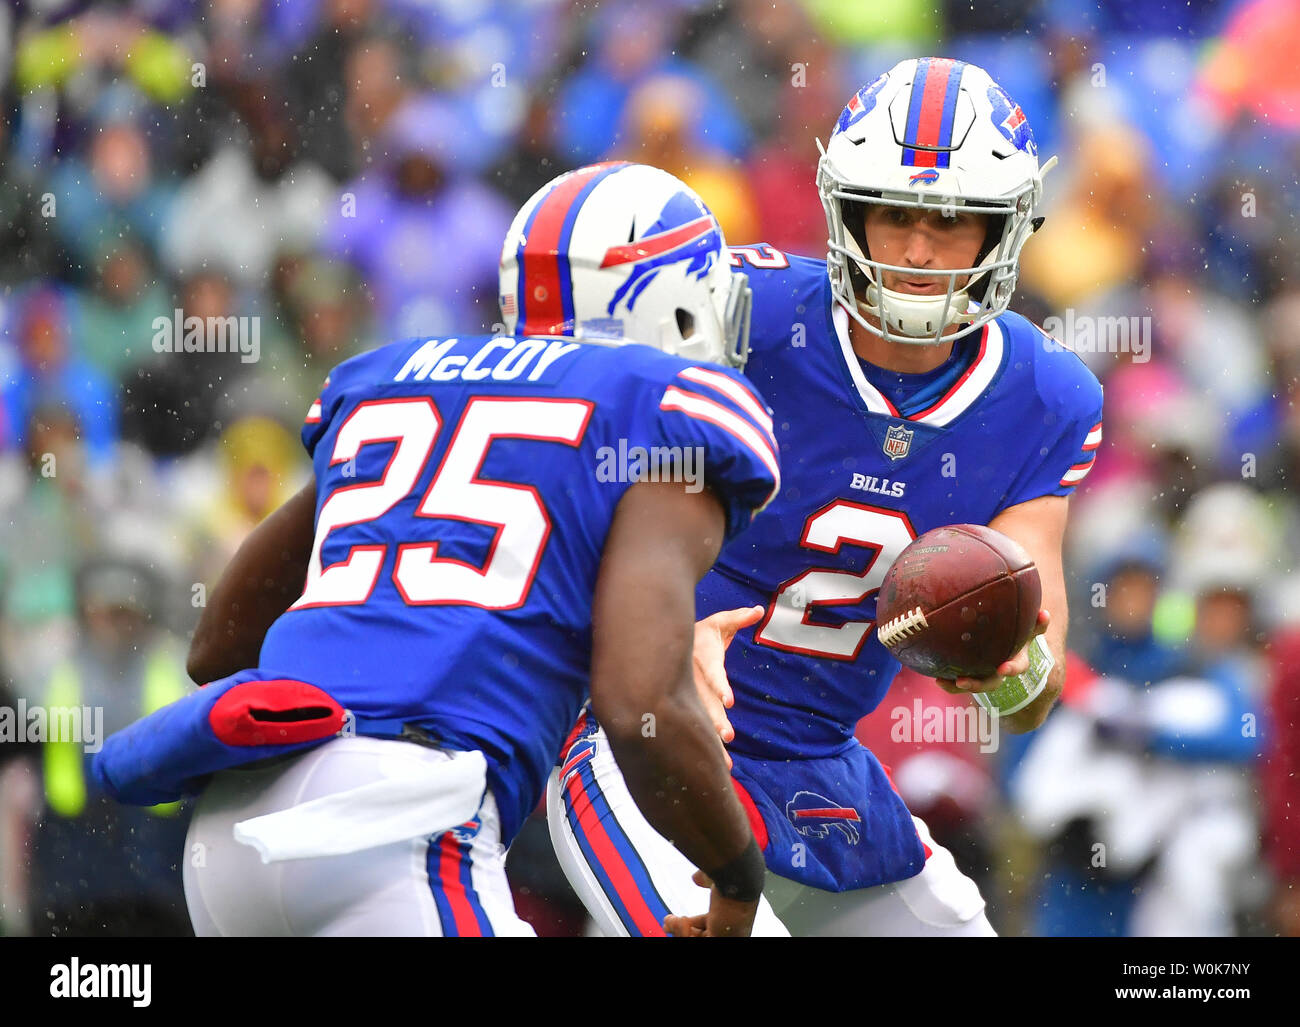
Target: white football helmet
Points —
{"points": [[935, 134], [625, 253]]}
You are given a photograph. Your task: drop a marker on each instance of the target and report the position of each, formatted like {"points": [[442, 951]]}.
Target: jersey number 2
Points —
{"points": [[786, 626], [455, 493]]}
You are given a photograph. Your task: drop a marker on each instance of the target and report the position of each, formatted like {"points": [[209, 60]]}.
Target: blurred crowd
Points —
{"points": [[342, 173]]}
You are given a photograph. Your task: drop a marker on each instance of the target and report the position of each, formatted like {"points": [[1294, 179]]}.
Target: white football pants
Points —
{"points": [[448, 882], [629, 876]]}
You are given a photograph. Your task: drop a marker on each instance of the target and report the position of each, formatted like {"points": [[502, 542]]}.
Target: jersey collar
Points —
{"points": [[956, 401]]}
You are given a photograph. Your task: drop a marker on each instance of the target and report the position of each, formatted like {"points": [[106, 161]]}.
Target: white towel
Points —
{"points": [[423, 799]]}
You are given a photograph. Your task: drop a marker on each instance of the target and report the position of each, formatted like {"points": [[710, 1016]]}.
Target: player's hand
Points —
{"points": [[726, 918], [1018, 664], [712, 637]]}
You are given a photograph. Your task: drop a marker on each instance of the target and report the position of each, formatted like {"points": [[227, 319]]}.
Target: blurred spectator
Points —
{"points": [[100, 46], [1094, 239], [26, 238], [328, 318], [1226, 553], [1126, 646], [1264, 440], [782, 171], [1141, 796], [111, 191], [660, 131], [53, 510], [261, 465], [632, 44], [51, 371], [425, 235], [99, 867], [1281, 785], [534, 160], [115, 321], [248, 202], [1212, 340], [328, 67], [758, 50]]}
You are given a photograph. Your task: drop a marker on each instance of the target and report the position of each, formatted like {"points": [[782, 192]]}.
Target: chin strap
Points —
{"points": [[917, 316]]}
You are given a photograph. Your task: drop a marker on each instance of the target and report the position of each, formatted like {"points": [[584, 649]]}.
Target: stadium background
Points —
{"points": [[343, 171]]}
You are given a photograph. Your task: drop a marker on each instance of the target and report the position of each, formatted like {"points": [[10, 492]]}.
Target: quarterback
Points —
{"points": [[905, 397]]}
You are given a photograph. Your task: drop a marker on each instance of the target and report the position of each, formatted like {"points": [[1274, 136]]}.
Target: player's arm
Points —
{"points": [[662, 541], [1039, 526], [262, 580]]}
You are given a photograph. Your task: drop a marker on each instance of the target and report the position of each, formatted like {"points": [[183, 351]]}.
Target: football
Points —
{"points": [[958, 602]]}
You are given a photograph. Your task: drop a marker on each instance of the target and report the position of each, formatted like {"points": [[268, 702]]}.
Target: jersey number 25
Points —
{"points": [[455, 493]]}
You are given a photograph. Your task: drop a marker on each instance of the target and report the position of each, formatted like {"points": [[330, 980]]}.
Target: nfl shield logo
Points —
{"points": [[898, 440]]}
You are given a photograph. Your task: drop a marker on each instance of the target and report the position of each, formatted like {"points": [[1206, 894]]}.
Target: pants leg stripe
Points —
{"points": [[459, 909], [619, 870]]}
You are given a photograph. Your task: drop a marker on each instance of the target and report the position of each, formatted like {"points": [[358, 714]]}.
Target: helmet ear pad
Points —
{"points": [[854, 215], [992, 237]]}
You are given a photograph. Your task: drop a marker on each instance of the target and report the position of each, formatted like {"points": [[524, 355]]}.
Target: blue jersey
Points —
{"points": [[465, 489], [1020, 420]]}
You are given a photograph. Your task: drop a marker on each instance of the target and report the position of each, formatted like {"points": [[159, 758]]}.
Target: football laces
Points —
{"points": [[902, 626]]}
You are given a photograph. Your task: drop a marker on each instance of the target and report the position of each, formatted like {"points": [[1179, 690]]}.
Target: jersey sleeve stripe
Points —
{"points": [[1093, 440], [734, 391], [1076, 474], [707, 410], [313, 413]]}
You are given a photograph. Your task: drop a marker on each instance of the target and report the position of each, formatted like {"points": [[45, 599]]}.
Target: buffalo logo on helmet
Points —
{"points": [[862, 104], [684, 230], [814, 815], [1011, 121], [927, 177]]}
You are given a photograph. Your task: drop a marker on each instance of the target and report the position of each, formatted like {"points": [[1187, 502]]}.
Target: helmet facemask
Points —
{"points": [[914, 319]]}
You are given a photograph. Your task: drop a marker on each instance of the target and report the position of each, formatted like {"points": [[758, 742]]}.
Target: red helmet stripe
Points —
{"points": [[932, 103], [539, 271], [654, 245]]}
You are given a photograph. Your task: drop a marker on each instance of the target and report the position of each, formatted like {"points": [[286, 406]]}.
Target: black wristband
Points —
{"points": [[742, 878]]}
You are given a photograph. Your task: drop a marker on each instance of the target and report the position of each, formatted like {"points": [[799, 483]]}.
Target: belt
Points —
{"points": [[397, 728]]}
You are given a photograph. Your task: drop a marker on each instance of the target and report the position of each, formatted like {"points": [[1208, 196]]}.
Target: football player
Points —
{"points": [[498, 526], [906, 396]]}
